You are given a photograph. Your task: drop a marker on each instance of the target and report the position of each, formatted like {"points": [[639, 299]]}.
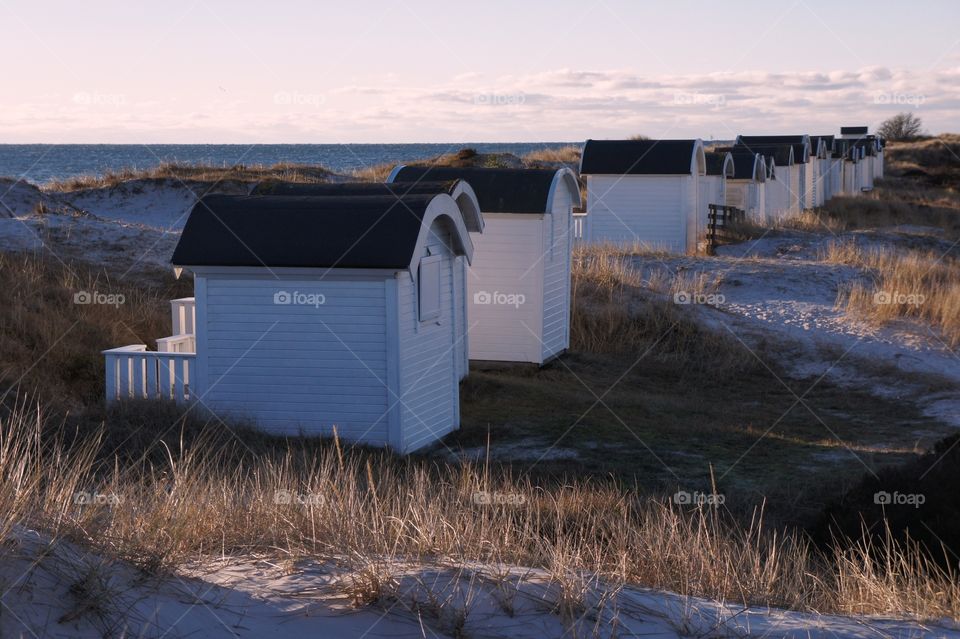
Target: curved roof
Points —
{"points": [[748, 166], [719, 163], [782, 154], [640, 157], [457, 189], [826, 140], [500, 190], [802, 147], [303, 231]]}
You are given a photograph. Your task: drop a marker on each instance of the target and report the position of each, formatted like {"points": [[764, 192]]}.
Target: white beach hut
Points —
{"points": [[823, 185], [781, 177], [518, 285], [318, 314], [644, 191], [852, 166], [798, 181], [746, 189], [457, 189], [859, 137], [719, 170]]}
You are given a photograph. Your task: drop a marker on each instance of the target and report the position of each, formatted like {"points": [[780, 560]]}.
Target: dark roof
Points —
{"points": [[715, 162], [458, 189], [869, 144], [498, 190], [779, 152], [771, 139], [637, 157], [828, 140], [745, 164], [353, 188], [342, 232], [796, 141], [854, 130]]}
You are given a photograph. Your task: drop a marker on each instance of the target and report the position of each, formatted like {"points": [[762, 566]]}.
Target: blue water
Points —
{"points": [[40, 163]]}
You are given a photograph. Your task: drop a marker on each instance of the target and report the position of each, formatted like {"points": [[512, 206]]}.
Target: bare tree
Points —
{"points": [[902, 126]]}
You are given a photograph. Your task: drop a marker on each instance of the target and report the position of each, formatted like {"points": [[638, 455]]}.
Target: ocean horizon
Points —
{"points": [[40, 163]]}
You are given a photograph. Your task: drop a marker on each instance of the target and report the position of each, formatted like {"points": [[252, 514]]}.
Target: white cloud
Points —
{"points": [[559, 104]]}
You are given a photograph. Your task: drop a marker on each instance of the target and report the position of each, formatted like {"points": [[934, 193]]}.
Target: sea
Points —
{"points": [[40, 163]]}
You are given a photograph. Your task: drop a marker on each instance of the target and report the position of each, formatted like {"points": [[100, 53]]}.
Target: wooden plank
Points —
{"points": [[165, 374], [138, 365], [152, 389], [111, 377], [179, 390]]}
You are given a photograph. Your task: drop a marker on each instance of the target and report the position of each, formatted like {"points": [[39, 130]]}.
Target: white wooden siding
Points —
{"points": [[797, 184], [712, 191], [747, 195], [293, 367], [652, 210], [556, 251], [508, 261], [461, 320], [429, 396], [778, 194]]}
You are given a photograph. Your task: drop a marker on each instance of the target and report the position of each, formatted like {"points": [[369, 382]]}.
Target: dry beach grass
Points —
{"points": [[207, 495], [191, 173]]}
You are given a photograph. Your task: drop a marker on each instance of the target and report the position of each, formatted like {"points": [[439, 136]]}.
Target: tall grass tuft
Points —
{"points": [[620, 308], [216, 495], [922, 285]]}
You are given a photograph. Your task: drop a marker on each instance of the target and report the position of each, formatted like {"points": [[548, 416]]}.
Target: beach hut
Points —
{"points": [[746, 188], [318, 314], [853, 132], [457, 189], [851, 168], [644, 191], [878, 166], [864, 169], [713, 187], [798, 181], [835, 169], [823, 186], [782, 176], [518, 285]]}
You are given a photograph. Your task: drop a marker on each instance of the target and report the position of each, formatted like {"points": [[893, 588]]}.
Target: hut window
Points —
{"points": [[429, 288]]}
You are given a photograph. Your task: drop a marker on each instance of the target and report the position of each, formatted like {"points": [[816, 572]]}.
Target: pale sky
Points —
{"points": [[493, 71]]}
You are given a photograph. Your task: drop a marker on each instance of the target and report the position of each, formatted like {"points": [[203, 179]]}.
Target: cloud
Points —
{"points": [[559, 104]]}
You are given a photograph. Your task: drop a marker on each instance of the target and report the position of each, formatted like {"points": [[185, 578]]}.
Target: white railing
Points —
{"points": [[133, 372], [177, 344], [579, 226], [183, 314]]}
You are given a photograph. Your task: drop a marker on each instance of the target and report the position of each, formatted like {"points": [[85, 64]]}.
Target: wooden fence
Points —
{"points": [[719, 219]]}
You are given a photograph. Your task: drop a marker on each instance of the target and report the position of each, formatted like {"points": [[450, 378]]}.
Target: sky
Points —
{"points": [[211, 71]]}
